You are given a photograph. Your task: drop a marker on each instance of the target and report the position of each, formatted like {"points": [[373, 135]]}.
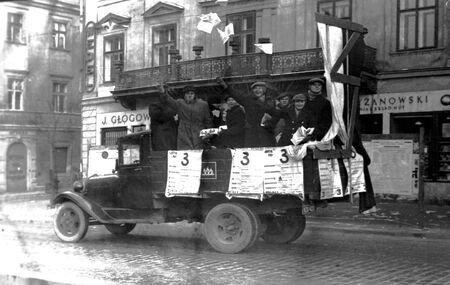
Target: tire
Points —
{"points": [[256, 221], [230, 228], [120, 229], [283, 229], [70, 223]]}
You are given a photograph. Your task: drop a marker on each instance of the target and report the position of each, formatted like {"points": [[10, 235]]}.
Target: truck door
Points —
{"points": [[133, 168]]}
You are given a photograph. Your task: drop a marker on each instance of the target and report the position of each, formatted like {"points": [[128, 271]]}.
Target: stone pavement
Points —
{"points": [[399, 218]]}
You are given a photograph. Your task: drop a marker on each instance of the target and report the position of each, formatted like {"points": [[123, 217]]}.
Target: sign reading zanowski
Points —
{"points": [[403, 102]]}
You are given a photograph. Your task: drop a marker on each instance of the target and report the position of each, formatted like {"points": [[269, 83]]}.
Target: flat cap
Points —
{"points": [[299, 96], [284, 94], [316, 79], [258, 83], [188, 88]]}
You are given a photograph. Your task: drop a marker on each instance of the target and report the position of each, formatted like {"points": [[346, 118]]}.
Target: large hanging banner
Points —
{"points": [[183, 172], [247, 170], [282, 174]]}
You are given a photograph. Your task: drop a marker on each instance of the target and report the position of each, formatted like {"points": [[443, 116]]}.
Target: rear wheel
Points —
{"points": [[283, 229], [120, 229], [230, 227], [70, 222]]}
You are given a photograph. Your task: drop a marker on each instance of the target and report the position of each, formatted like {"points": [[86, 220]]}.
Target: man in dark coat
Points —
{"points": [[163, 126], [234, 135], [257, 133], [319, 108], [294, 117]]}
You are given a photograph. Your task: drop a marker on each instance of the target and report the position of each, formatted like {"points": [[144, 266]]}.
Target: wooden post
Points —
{"points": [[421, 195]]}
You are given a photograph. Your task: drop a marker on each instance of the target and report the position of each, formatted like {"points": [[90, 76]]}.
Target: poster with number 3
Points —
{"points": [[183, 172]]}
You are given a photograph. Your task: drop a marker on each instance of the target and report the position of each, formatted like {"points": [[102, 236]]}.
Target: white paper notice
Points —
{"points": [[356, 174], [330, 179], [247, 170], [183, 172], [266, 48], [282, 175]]}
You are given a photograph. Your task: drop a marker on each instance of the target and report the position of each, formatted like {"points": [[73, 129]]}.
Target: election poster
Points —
{"points": [[183, 172]]}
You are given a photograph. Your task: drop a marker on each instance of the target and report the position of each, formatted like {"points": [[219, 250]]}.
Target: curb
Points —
{"points": [[26, 196]]}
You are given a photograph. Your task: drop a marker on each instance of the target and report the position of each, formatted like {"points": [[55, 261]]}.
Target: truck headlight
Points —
{"points": [[77, 186]]}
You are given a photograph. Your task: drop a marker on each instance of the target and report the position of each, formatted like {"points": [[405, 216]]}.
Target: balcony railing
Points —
{"points": [[255, 64]]}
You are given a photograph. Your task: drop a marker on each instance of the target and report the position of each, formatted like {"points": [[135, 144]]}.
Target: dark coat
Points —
{"points": [[320, 116], [163, 126], [234, 135], [292, 122], [255, 134]]}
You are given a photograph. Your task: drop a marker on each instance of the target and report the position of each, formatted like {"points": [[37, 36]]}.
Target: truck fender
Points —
{"points": [[91, 208]]}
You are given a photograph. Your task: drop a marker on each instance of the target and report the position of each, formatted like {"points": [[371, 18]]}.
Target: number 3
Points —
{"points": [[245, 160], [284, 158], [185, 159]]}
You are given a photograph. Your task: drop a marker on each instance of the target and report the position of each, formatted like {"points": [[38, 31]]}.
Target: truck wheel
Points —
{"points": [[283, 229], [230, 228], [119, 229], [257, 222], [70, 223]]}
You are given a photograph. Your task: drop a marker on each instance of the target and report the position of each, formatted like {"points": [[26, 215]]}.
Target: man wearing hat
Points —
{"points": [[256, 134], [284, 102], [193, 115], [319, 108], [233, 136]]}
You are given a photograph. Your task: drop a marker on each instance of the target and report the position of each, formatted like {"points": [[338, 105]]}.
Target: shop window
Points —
{"points": [[244, 25], [59, 97], [15, 94], [113, 54], [417, 24], [137, 129], [109, 136], [59, 35], [164, 39], [60, 159], [15, 28], [371, 124]]}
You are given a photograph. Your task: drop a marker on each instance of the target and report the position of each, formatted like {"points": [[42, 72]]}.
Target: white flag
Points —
{"points": [[208, 22], [225, 35], [266, 48]]}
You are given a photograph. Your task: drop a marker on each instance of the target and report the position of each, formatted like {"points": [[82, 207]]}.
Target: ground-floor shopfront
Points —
{"points": [[406, 113]]}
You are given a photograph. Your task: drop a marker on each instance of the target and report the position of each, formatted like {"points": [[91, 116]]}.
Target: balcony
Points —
{"points": [[237, 68]]}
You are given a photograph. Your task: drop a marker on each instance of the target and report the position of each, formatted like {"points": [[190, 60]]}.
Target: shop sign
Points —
{"points": [[404, 102], [119, 119]]}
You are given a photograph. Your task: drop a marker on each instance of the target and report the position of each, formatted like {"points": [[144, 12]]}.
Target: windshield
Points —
{"points": [[130, 154]]}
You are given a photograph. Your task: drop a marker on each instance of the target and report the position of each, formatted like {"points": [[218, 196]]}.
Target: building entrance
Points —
{"points": [[16, 165]]}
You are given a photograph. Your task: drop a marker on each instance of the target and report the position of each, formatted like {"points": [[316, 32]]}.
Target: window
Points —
{"points": [[15, 28], [60, 159], [15, 93], [130, 154], [59, 35], [113, 54], [109, 136], [139, 128], [164, 38], [417, 24], [244, 25], [59, 97], [336, 8]]}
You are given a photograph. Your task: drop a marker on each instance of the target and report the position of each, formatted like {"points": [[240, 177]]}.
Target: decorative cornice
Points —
{"points": [[161, 9], [113, 22]]}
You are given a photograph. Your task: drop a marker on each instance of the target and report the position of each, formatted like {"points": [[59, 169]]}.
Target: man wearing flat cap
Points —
{"points": [[193, 114], [320, 109], [257, 134]]}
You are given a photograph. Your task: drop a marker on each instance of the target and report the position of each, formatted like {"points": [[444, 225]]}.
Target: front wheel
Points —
{"points": [[283, 229], [120, 229], [230, 228], [70, 222]]}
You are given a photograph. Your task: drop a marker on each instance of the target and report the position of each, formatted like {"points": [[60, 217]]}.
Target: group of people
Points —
{"points": [[251, 120]]}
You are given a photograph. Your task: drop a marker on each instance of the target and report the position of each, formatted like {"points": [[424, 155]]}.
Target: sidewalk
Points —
{"points": [[392, 218]]}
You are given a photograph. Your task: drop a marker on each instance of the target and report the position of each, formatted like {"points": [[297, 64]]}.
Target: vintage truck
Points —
{"points": [[136, 193]]}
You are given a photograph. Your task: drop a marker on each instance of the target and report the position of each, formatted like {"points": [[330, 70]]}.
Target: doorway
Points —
{"points": [[16, 165]]}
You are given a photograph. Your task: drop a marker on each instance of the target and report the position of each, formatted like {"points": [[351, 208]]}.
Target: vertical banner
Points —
{"points": [[247, 170], [183, 172], [330, 179], [355, 171], [282, 175]]}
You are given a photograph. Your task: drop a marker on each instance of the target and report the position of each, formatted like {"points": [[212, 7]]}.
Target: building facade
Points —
{"points": [[40, 125], [133, 46]]}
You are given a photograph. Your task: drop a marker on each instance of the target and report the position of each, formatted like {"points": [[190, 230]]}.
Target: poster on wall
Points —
{"points": [[392, 166]]}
